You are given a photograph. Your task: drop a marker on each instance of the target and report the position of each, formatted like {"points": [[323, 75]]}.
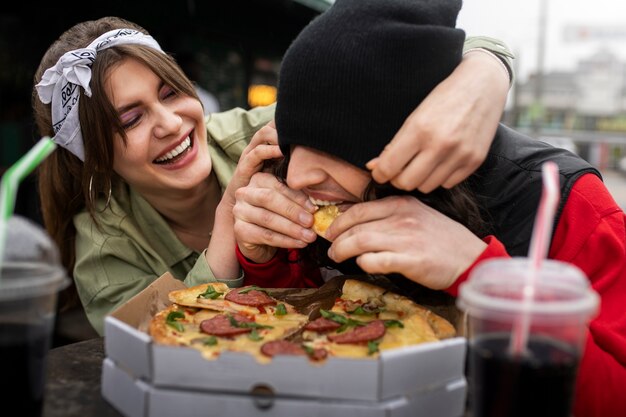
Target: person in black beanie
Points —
{"points": [[346, 84]]}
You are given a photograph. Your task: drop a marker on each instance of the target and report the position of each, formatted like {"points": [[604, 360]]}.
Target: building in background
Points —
{"points": [[586, 105]]}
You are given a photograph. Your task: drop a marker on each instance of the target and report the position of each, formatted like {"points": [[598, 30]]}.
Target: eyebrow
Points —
{"points": [[124, 109]]}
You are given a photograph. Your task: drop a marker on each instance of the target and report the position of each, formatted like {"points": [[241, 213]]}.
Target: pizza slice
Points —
{"points": [[367, 319], [250, 300]]}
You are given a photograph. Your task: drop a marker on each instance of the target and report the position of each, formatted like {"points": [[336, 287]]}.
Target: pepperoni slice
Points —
{"points": [[221, 325], [282, 347], [371, 331], [254, 298], [321, 325]]}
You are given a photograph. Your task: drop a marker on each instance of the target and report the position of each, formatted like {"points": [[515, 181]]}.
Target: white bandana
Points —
{"points": [[60, 83]]}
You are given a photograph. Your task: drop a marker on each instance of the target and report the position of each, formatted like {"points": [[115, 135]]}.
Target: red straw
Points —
{"points": [[538, 251]]}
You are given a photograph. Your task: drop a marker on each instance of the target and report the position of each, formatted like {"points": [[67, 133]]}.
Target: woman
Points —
{"points": [[134, 191]]}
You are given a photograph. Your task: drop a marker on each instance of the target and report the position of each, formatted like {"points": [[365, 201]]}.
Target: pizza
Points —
{"points": [[367, 319], [323, 218], [239, 320], [363, 321]]}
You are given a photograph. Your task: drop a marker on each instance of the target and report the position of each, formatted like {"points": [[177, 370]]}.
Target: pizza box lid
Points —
{"points": [[394, 372], [136, 398]]}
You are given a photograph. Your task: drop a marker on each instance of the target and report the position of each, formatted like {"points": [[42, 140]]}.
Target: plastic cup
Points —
{"points": [[540, 381], [30, 279]]}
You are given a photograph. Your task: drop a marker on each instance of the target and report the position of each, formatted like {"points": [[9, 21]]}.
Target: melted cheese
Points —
{"points": [[192, 336]]}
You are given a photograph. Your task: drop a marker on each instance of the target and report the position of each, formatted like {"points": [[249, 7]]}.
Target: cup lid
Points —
{"points": [[497, 286], [31, 264], [21, 280]]}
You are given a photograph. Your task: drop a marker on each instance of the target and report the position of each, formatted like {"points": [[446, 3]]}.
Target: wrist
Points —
{"points": [[485, 52]]}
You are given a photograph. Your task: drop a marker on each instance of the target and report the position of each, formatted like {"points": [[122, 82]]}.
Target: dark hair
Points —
{"points": [[66, 184]]}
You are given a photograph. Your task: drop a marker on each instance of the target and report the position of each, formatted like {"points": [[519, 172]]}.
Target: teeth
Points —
{"points": [[176, 151], [322, 202]]}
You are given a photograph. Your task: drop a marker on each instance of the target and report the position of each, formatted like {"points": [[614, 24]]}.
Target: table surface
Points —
{"points": [[73, 381]]}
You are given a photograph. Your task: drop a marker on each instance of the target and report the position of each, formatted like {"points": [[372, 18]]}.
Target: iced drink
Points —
{"points": [[30, 278], [539, 379]]}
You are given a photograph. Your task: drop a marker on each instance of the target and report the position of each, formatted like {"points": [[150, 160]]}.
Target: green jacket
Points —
{"points": [[134, 245]]}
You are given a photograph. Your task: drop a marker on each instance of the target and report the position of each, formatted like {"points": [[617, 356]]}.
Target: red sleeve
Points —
{"points": [[494, 249], [592, 235], [284, 270]]}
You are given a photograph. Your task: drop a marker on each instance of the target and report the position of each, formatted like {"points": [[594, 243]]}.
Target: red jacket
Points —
{"points": [[591, 234]]}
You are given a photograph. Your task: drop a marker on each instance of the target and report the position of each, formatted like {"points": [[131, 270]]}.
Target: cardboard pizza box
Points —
{"points": [[394, 373], [135, 398]]}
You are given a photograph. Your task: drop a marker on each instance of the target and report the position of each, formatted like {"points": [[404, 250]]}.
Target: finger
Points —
{"points": [[276, 203], [253, 234], [360, 213], [397, 154], [440, 168], [362, 239], [384, 262], [253, 160], [458, 176], [270, 220], [417, 171], [270, 182], [470, 164]]}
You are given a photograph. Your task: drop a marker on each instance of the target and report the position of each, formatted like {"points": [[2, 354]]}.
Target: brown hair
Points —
{"points": [[68, 186]]}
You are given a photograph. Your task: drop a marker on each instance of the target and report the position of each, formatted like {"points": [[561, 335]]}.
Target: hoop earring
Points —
{"points": [[91, 194]]}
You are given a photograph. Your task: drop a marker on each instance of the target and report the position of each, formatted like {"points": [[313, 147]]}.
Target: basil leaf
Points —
{"points": [[343, 320], [171, 318], [254, 336], [393, 323], [333, 316], [281, 310], [359, 311], [209, 341], [253, 287], [372, 347], [245, 325], [210, 293]]}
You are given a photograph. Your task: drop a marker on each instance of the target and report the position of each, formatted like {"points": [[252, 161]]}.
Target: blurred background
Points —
{"points": [[570, 86], [570, 63]]}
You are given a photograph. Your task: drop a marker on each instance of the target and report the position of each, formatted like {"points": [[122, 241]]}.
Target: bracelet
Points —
{"points": [[488, 52]]}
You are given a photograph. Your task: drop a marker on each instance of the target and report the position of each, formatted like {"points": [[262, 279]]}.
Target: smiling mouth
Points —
{"points": [[176, 153]]}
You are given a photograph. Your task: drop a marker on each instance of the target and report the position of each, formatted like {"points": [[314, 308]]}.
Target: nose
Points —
{"points": [[302, 171], [167, 121]]}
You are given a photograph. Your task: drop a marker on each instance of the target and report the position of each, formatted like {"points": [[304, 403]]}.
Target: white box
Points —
{"points": [[408, 374], [135, 398]]}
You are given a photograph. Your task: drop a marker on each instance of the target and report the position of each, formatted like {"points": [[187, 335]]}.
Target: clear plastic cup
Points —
{"points": [[30, 279], [540, 380]]}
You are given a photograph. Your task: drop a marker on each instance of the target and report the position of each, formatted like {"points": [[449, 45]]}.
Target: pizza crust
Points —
{"points": [[323, 218]]}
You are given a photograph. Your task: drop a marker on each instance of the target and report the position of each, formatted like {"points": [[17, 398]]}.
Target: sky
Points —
{"points": [[516, 22]]}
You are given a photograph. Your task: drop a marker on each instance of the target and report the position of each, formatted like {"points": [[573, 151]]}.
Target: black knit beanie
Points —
{"points": [[356, 72]]}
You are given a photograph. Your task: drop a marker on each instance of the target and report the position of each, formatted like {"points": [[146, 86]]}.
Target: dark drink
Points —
{"points": [[23, 350], [540, 383]]}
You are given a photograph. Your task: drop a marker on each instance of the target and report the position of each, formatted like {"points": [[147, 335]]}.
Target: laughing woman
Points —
{"points": [[143, 183]]}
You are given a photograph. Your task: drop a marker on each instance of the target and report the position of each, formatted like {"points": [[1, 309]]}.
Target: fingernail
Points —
{"points": [[308, 235], [331, 253], [310, 206], [372, 164], [305, 219]]}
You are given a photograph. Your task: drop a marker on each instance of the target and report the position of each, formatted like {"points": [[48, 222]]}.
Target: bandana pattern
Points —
{"points": [[59, 84]]}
